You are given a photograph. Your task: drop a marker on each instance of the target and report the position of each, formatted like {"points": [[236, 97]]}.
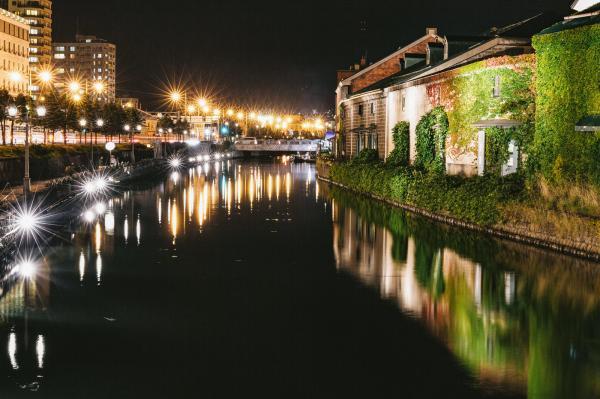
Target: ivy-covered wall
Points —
{"points": [[568, 88], [467, 95]]}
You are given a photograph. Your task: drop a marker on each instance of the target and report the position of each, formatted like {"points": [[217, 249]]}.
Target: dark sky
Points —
{"points": [[283, 54]]}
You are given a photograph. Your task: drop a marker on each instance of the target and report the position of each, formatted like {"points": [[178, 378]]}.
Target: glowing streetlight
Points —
{"points": [[175, 96], [230, 112], [98, 87], [82, 123], [240, 115], [41, 111], [45, 76], [191, 108], [74, 86], [12, 111], [138, 128], [15, 77], [77, 97], [202, 102], [127, 128], [100, 122], [26, 269]]}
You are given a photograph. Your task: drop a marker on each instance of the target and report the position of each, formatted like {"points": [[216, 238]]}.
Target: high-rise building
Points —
{"points": [[38, 14], [91, 62], [14, 43]]}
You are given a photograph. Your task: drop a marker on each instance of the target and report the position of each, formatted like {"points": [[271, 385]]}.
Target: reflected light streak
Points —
{"points": [[81, 266], [270, 187], [12, 350], [99, 269], [174, 222], [40, 350], [159, 209], [126, 229], [98, 238], [138, 230], [109, 223]]}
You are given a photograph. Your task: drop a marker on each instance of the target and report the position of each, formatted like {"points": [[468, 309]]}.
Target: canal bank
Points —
{"points": [[559, 231]]}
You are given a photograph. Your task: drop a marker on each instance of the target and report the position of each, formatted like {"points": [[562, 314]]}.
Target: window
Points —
{"points": [[372, 108], [35, 31], [59, 56], [496, 90], [403, 102], [72, 48], [360, 110]]}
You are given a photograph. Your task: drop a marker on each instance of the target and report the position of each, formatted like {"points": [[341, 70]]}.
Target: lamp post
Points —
{"points": [[99, 125]]}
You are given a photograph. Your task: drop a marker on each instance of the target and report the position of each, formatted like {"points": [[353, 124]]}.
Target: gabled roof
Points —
{"points": [[589, 123], [401, 50], [590, 16], [467, 48]]}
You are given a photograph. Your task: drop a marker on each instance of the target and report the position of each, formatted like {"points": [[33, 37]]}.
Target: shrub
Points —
{"points": [[431, 140], [476, 199], [367, 156], [401, 153]]}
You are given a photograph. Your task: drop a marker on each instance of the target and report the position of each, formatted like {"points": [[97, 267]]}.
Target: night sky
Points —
{"points": [[283, 54]]}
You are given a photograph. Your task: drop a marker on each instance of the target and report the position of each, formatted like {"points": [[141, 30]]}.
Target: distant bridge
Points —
{"points": [[276, 146]]}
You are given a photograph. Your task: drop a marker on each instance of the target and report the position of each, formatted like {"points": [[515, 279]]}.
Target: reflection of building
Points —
{"points": [[461, 302], [88, 59], [14, 42]]}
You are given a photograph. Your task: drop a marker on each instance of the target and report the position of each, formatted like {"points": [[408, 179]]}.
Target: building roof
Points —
{"points": [[462, 48], [590, 16], [589, 123], [381, 61]]}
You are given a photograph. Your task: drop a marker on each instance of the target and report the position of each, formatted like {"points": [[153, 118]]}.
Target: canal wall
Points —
{"points": [[587, 247]]}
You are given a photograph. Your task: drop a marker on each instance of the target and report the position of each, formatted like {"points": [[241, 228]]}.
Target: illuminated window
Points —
{"points": [[59, 56]]}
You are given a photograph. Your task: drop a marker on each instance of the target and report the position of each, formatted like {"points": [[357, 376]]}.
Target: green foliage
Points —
{"points": [[472, 199], [367, 156], [567, 90], [432, 131], [497, 141], [469, 98], [400, 155]]}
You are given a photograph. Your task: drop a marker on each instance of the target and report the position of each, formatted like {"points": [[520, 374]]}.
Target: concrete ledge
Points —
{"points": [[504, 232]]}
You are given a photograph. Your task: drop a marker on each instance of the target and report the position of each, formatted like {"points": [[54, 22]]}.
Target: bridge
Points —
{"points": [[276, 146]]}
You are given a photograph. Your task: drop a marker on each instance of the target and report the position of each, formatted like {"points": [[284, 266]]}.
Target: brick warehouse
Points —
{"points": [[372, 100]]}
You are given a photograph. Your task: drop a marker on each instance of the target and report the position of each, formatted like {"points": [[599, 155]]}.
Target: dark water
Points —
{"points": [[254, 280]]}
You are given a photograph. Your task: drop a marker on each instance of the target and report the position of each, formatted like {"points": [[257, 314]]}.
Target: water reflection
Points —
{"points": [[521, 320]]}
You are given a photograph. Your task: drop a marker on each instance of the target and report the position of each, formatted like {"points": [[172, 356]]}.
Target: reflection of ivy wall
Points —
{"points": [[568, 79], [467, 96]]}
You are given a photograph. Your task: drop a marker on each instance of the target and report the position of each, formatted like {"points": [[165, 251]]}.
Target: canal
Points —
{"points": [[244, 278]]}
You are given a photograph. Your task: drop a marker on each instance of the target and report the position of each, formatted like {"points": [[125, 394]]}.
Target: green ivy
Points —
{"points": [[472, 199], [400, 155], [497, 141], [432, 131], [568, 79]]}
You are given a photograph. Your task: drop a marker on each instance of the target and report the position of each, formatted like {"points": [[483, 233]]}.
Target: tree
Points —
{"points": [[166, 123], [61, 114], [134, 119], [5, 101], [181, 126]]}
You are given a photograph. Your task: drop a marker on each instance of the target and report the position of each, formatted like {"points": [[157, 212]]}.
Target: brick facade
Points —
{"points": [[373, 115], [389, 67]]}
